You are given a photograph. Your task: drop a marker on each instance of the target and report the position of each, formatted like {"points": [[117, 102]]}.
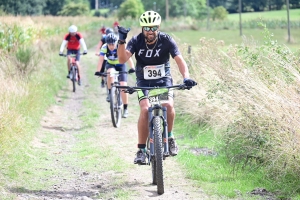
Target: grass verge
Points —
{"points": [[204, 161]]}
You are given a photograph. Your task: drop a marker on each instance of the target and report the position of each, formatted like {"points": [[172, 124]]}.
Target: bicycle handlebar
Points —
{"points": [[72, 55], [131, 90], [104, 74]]}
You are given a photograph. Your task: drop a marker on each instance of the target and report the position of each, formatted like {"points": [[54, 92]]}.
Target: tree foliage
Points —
{"points": [[131, 8], [219, 13], [23, 7], [53, 7], [73, 9]]}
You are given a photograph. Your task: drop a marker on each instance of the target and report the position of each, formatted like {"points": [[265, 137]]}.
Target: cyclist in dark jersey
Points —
{"points": [[100, 44], [73, 40], [152, 48]]}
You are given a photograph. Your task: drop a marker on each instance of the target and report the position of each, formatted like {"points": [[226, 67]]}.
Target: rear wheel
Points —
{"points": [[158, 163], [115, 106]]}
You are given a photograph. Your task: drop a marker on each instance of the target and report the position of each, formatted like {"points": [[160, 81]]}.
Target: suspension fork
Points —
{"points": [[151, 137], [165, 131]]}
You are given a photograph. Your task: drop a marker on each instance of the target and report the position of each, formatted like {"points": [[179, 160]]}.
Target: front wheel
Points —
{"points": [[158, 160], [73, 77], [115, 106]]}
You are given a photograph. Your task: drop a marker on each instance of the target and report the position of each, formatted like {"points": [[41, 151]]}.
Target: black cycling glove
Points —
{"points": [[98, 73], [123, 33], [189, 82], [130, 71]]}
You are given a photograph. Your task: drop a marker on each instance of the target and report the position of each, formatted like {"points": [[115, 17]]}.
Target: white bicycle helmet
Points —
{"points": [[150, 18], [73, 29]]}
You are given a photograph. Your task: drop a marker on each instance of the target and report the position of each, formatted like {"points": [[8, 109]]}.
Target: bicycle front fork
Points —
{"points": [[164, 131]]}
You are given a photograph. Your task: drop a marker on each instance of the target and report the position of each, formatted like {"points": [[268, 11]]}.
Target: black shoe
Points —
{"points": [[140, 158], [108, 98], [173, 148]]}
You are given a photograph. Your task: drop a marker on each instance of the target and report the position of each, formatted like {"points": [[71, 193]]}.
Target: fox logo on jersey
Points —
{"points": [[149, 53]]}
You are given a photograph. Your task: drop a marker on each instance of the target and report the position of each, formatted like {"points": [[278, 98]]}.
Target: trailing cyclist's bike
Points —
{"points": [[73, 70], [116, 104], [157, 143]]}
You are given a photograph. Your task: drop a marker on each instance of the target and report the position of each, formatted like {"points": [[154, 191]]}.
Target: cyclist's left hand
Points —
{"points": [[123, 33], [189, 82], [84, 52], [98, 73], [130, 71]]}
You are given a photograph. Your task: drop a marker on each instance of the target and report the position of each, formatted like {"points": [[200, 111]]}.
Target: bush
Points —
{"points": [[219, 13], [73, 9], [130, 8]]}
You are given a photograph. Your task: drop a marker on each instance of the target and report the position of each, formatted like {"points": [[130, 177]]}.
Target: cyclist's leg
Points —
{"points": [[102, 71], [109, 79], [77, 62], [123, 81], [69, 59]]}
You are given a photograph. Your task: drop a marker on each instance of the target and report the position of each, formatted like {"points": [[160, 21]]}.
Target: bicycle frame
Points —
{"points": [[158, 127]]}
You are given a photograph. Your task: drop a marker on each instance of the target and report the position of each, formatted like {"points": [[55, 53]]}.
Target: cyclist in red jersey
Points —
{"points": [[73, 40], [115, 25]]}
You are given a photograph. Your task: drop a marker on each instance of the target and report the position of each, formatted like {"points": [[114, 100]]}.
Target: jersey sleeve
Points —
{"points": [[174, 51], [103, 50], [131, 45], [80, 35], [65, 37]]}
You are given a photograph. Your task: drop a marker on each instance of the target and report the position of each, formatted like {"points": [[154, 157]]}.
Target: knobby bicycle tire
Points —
{"points": [[115, 106], [158, 154], [152, 161], [73, 71]]}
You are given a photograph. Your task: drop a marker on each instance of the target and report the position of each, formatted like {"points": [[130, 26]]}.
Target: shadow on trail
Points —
{"points": [[64, 129], [91, 191], [53, 193]]}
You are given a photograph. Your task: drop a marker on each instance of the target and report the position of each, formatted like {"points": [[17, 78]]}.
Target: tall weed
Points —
{"points": [[250, 92]]}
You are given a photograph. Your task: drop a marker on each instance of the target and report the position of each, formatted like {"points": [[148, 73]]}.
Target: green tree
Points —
{"points": [[74, 9], [53, 7], [219, 13], [130, 8], [23, 7]]}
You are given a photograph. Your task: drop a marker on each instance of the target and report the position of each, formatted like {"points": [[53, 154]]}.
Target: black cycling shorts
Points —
{"points": [[120, 68], [166, 81], [76, 52]]}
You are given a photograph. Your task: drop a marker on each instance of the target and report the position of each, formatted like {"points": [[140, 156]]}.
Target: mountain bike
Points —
{"points": [[157, 142], [73, 70], [116, 104]]}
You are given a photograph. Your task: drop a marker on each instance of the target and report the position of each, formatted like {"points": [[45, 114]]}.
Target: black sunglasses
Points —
{"points": [[147, 28]]}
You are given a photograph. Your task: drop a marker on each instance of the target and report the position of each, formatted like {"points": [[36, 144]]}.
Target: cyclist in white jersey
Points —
{"points": [[152, 47]]}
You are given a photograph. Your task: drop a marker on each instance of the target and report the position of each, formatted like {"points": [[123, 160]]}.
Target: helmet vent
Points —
{"points": [[153, 19]]}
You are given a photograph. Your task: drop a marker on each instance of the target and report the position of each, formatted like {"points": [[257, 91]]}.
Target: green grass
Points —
{"points": [[213, 171], [233, 37], [278, 14]]}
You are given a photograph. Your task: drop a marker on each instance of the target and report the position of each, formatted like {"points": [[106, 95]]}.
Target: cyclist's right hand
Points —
{"points": [[189, 82], [98, 73], [123, 33], [131, 70]]}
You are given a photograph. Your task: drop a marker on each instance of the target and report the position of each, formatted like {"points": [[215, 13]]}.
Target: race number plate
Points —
{"points": [[154, 72]]}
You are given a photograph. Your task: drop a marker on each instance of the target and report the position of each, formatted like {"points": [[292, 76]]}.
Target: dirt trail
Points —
{"points": [[70, 181]]}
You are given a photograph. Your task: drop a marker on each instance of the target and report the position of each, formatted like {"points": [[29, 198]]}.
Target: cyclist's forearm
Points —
{"points": [[82, 43], [182, 66], [62, 46], [122, 53]]}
